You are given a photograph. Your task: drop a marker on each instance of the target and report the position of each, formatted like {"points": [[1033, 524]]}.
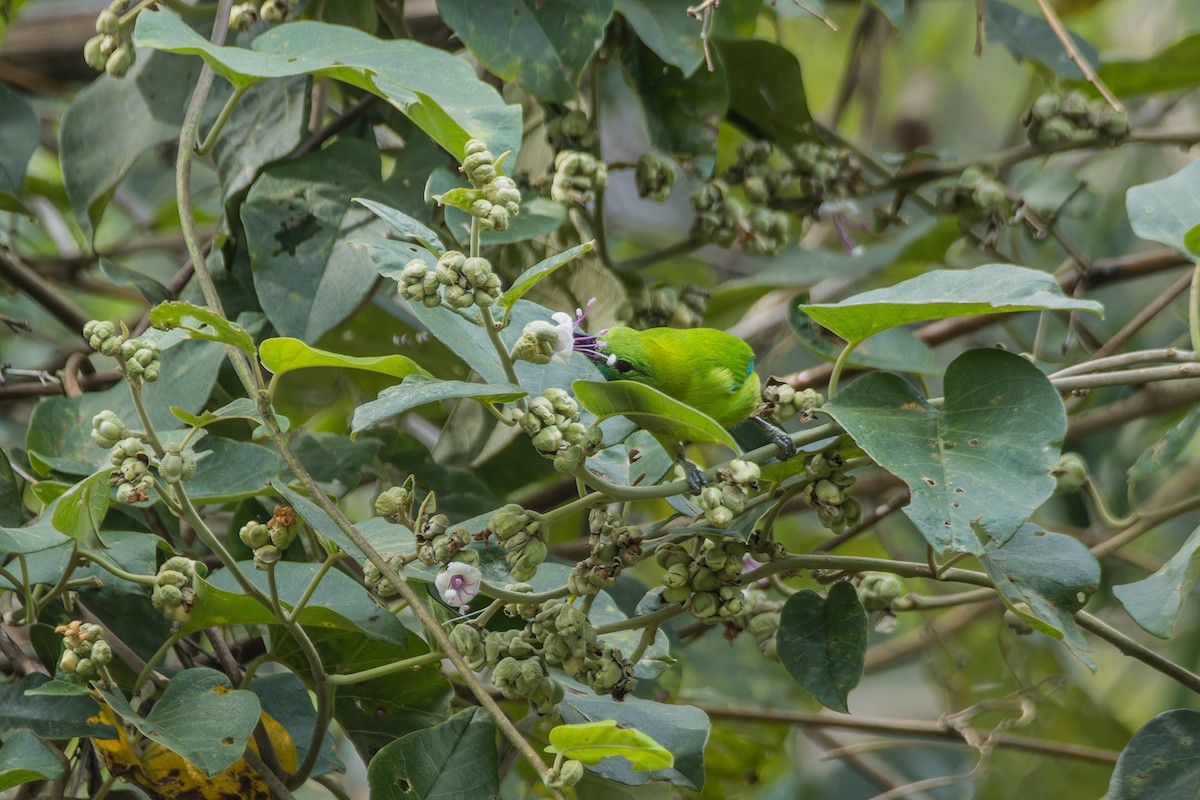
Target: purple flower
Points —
{"points": [[588, 344], [841, 212], [458, 584]]}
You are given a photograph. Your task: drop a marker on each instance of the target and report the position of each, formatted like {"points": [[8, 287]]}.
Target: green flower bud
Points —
{"points": [[254, 534], [1069, 474], [654, 177], [265, 556], [570, 773], [744, 473], [1054, 131], [548, 440], [101, 653], [827, 492], [170, 577], [273, 12], [878, 589], [120, 61], [243, 16], [718, 516], [468, 641], [94, 55], [703, 605]]}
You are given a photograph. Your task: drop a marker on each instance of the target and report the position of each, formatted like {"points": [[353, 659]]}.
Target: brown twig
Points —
{"points": [[1073, 53], [1144, 316], [61, 307]]}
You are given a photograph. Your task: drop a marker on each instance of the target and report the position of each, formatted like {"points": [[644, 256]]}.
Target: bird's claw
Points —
{"points": [[779, 437], [695, 478]]}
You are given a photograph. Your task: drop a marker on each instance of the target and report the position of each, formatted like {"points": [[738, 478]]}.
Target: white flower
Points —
{"points": [[564, 337], [458, 584]]}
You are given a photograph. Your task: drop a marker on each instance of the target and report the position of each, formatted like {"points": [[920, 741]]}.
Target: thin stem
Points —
{"points": [[155, 660], [838, 365], [1135, 650], [653, 619], [1194, 309], [107, 566], [385, 669], [204, 147], [1073, 53], [312, 585], [1106, 516], [567, 509]]}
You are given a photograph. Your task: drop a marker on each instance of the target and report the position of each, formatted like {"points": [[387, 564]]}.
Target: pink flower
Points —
{"points": [[458, 584]]}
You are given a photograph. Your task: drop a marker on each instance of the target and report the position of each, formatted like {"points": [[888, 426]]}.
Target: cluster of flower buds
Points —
{"points": [[517, 669], [877, 591], [1069, 474], [396, 503], [437, 542], [173, 594], [761, 621], [111, 49], [565, 635], [136, 358], [85, 653], [132, 474], [269, 540], [500, 199], [571, 130], [828, 490], [720, 217], [178, 463], [552, 421], [1054, 119], [705, 577], [468, 281], [419, 284], [818, 173], [978, 199], [522, 538], [614, 546], [784, 402], [654, 176], [527, 679], [375, 580], [665, 306], [726, 498], [577, 177], [108, 429]]}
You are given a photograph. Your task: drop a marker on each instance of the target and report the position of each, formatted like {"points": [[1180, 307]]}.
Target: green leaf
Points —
{"points": [[680, 729], [407, 228], [25, 758], [132, 551], [592, 742], [897, 349], [822, 642], [1161, 761], [59, 433], [981, 463], [766, 89], [283, 355], [1155, 602], [32, 539], [989, 289], [79, 512], [543, 269], [1044, 578], [377, 712], [1168, 448], [229, 470], [200, 716], [438, 92], [178, 314], [238, 408], [146, 107], [430, 763], [683, 113], [12, 512], [268, 123], [1165, 211], [418, 390], [652, 410], [1030, 38], [286, 700], [19, 129], [1173, 68], [893, 10], [149, 288], [298, 216], [544, 45], [338, 602], [671, 35], [617, 464], [50, 717]]}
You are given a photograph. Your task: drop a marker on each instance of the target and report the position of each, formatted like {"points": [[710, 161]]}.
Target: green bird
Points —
{"points": [[710, 370]]}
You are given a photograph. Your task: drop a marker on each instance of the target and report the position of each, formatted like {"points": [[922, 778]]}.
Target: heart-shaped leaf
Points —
{"points": [[822, 642], [979, 463], [1161, 761], [1155, 602], [592, 742], [200, 716], [1165, 211], [429, 764]]}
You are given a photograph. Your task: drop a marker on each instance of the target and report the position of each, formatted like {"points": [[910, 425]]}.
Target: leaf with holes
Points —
{"points": [[200, 716], [429, 763], [980, 464], [989, 289], [822, 642], [1161, 761]]}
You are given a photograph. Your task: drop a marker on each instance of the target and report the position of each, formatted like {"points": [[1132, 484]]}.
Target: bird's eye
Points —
{"points": [[621, 365]]}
